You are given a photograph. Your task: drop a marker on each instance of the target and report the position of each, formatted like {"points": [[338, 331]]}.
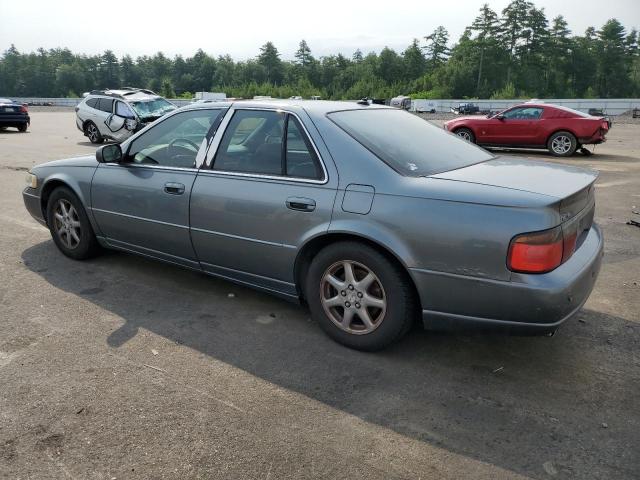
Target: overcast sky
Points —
{"points": [[239, 28]]}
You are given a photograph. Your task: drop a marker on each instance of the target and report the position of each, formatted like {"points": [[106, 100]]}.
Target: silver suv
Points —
{"points": [[118, 114]]}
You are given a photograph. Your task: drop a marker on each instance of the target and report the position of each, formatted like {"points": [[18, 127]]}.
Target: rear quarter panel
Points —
{"points": [[433, 224]]}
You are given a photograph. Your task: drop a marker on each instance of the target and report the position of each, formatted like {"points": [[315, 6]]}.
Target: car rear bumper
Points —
{"points": [[14, 120], [33, 205], [528, 304], [595, 139]]}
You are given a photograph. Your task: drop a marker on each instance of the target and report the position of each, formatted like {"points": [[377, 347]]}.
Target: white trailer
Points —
{"points": [[210, 97], [429, 106]]}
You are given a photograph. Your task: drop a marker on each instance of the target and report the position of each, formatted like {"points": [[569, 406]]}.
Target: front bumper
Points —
{"points": [[528, 304], [33, 205]]}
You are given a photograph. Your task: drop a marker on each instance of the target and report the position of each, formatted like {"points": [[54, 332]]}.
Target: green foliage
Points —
{"points": [[507, 92], [515, 53]]}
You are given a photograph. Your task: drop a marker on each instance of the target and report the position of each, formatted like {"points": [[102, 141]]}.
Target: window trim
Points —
{"points": [[129, 142], [217, 140]]}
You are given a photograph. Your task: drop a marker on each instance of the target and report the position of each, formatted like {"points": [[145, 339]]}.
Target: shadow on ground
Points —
{"points": [[515, 402]]}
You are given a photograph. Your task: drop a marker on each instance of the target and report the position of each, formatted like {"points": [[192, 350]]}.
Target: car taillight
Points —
{"points": [[24, 109], [537, 252]]}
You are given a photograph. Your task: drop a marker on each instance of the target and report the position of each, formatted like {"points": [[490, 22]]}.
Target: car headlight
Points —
{"points": [[32, 180]]}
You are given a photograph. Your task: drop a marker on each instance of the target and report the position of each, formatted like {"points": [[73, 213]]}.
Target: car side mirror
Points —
{"points": [[499, 117], [111, 153]]}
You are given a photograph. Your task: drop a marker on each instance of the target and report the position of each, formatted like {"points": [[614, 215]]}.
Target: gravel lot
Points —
{"points": [[123, 368]]}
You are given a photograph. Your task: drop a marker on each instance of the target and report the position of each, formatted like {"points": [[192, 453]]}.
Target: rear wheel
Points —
{"points": [[92, 132], [466, 134], [562, 144], [359, 297], [69, 225], [22, 128]]}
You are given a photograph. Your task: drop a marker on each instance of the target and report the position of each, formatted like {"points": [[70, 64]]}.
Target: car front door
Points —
{"points": [[142, 203], [264, 193], [122, 122], [518, 126]]}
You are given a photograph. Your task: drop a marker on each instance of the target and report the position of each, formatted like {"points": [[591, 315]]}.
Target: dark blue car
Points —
{"points": [[13, 114]]}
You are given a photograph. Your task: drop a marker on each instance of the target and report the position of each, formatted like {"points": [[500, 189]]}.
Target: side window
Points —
{"points": [[252, 143], [524, 113], [93, 102], [105, 104], [123, 110], [302, 161], [175, 141]]}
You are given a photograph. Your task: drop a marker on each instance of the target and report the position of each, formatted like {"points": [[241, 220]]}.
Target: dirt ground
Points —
{"points": [[121, 367]]}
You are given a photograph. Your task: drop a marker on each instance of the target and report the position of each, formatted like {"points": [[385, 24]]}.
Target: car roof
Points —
{"points": [[320, 107], [126, 94]]}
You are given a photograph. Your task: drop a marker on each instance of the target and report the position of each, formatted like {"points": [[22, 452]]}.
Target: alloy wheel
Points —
{"points": [[561, 144], [67, 224], [464, 134], [353, 297], [92, 131]]}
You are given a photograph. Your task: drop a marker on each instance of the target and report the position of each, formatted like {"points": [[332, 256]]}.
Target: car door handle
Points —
{"points": [[174, 188], [301, 203]]}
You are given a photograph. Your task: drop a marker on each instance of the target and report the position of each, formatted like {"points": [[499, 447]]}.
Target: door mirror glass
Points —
{"points": [[111, 153]]}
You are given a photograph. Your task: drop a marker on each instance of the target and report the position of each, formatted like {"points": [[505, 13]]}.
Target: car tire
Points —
{"points": [[466, 134], [22, 128], [373, 310], [562, 144], [92, 133], [69, 225]]}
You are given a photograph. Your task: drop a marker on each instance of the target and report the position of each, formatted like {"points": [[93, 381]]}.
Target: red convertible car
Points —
{"points": [[558, 129]]}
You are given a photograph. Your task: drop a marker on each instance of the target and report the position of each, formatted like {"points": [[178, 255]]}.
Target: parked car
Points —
{"points": [[466, 109], [558, 129], [118, 114], [13, 114], [401, 101], [369, 214]]}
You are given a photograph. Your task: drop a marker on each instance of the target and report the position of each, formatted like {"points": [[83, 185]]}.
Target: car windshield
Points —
{"points": [[410, 145], [5, 100], [152, 108]]}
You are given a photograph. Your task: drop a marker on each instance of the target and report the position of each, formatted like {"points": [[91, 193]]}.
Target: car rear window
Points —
{"points": [[410, 145], [576, 113]]}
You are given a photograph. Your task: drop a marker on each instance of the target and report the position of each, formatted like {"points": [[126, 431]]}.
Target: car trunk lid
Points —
{"points": [[552, 179]]}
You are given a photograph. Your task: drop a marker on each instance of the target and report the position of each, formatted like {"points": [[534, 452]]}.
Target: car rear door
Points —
{"points": [[142, 203], [268, 187]]}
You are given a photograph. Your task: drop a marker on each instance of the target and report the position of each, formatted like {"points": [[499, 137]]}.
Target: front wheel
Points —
{"points": [[359, 297], [466, 134], [562, 144], [69, 225]]}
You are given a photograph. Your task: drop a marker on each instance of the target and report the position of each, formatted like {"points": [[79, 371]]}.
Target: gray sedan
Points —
{"points": [[370, 215]]}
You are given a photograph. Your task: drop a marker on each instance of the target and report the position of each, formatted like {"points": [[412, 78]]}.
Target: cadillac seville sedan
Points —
{"points": [[369, 215]]}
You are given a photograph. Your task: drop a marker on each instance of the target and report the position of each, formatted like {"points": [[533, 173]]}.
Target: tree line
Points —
{"points": [[517, 53]]}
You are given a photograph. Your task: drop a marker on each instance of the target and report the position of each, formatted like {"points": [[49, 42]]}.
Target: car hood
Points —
{"points": [[85, 161], [545, 178]]}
